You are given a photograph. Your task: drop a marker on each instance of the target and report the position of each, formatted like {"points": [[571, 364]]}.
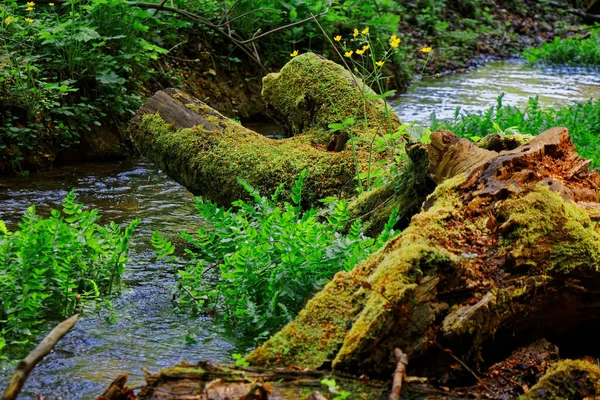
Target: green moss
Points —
{"points": [[208, 162], [567, 380], [311, 92], [547, 234]]}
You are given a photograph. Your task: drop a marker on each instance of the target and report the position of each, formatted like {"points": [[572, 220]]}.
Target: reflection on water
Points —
{"points": [[147, 332], [478, 89]]}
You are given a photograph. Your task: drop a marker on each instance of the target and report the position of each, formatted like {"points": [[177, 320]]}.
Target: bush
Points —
{"points": [[271, 259], [582, 120], [570, 51], [50, 264], [66, 68]]}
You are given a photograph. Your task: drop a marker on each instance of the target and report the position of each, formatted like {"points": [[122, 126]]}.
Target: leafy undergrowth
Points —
{"points": [[582, 120], [271, 258], [50, 265], [575, 50]]}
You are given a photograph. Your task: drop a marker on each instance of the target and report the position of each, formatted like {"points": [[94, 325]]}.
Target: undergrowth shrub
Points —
{"points": [[582, 120], [66, 68], [50, 264], [257, 263], [571, 51]]}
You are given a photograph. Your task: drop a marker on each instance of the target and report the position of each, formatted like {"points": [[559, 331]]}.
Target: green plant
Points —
{"points": [[51, 264], [582, 120], [334, 388], [67, 68], [574, 50], [258, 263]]}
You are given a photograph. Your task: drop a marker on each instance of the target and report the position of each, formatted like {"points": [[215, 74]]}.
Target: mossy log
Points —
{"points": [[207, 152], [505, 251]]}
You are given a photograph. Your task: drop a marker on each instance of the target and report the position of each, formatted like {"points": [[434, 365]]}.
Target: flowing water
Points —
{"points": [[478, 89], [147, 331]]}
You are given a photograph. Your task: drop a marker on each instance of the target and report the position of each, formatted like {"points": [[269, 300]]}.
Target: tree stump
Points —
{"points": [[505, 251]]}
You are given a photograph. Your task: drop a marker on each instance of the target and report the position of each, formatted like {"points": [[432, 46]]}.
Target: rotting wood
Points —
{"points": [[24, 367]]}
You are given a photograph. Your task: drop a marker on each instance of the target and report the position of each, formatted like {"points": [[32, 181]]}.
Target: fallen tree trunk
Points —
{"points": [[207, 152], [506, 250]]}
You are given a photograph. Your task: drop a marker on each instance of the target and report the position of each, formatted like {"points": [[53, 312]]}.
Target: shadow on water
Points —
{"points": [[148, 332], [479, 88]]}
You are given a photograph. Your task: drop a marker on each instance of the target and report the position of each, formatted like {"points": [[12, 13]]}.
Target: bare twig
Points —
{"points": [[402, 360], [25, 366], [574, 11]]}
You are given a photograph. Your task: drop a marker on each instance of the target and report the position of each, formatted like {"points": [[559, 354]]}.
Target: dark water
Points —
{"points": [[147, 332], [477, 90]]}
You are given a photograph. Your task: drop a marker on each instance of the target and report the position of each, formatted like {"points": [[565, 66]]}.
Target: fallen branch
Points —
{"points": [[574, 11], [17, 380], [402, 360]]}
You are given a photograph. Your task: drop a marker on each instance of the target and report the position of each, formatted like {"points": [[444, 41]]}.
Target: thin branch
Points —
{"points": [[24, 368], [402, 360], [579, 13], [329, 2]]}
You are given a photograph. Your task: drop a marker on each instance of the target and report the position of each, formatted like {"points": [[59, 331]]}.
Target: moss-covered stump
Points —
{"points": [[207, 152], [568, 380], [311, 92], [506, 250]]}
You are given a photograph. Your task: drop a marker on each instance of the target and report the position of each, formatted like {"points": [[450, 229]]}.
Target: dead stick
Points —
{"points": [[25, 366], [402, 360]]}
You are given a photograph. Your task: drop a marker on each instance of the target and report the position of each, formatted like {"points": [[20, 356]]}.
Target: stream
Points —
{"points": [[147, 331]]}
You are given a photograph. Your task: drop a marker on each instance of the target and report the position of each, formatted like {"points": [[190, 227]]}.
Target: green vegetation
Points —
{"points": [[575, 50], [582, 120], [50, 265], [67, 68], [271, 259]]}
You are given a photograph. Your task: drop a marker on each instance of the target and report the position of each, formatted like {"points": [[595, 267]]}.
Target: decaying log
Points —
{"points": [[504, 251], [25, 366], [207, 152], [117, 390], [206, 381]]}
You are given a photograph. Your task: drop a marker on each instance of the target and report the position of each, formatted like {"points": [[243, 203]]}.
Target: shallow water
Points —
{"points": [[147, 332], [478, 89]]}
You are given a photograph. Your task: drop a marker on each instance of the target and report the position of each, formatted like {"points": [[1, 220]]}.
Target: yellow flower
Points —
{"points": [[360, 52], [426, 50], [337, 38], [379, 63], [395, 42], [29, 20], [366, 47], [29, 9], [51, 4], [30, 4], [355, 34], [394, 37], [7, 20], [348, 53], [294, 53], [365, 31]]}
